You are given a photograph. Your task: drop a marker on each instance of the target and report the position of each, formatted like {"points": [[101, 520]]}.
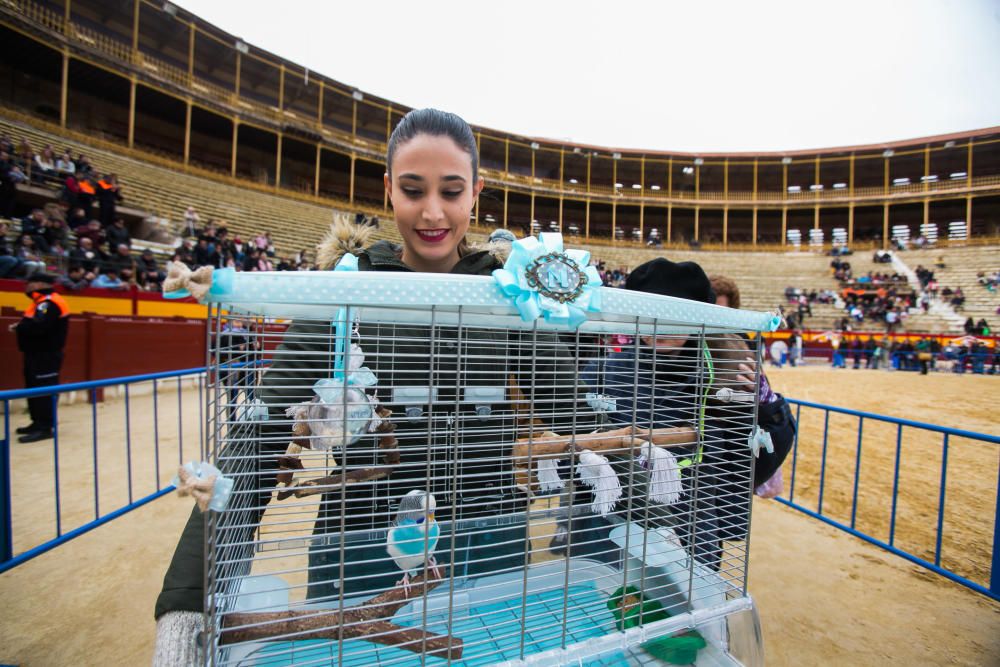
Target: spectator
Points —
{"points": [[150, 275], [45, 165], [191, 221], [205, 253], [85, 256], [25, 155], [82, 164], [117, 234], [260, 242], [257, 260], [982, 327], [122, 263], [857, 351], [108, 195], [970, 326], [74, 280], [238, 247], [9, 262], [8, 184], [108, 280], [93, 232], [29, 255], [958, 299], [269, 249], [185, 254], [65, 166], [34, 225], [77, 219], [87, 193]]}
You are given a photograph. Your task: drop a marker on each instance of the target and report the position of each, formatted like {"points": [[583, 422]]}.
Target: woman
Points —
{"points": [[28, 254], [432, 179]]}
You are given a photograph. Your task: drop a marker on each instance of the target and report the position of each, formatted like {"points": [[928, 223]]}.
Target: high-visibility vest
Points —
{"points": [[86, 187], [55, 298]]}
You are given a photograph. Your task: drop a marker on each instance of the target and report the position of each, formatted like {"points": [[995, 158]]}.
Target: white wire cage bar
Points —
{"points": [[438, 483]]}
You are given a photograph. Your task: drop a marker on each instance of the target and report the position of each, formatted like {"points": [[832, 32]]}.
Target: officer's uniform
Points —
{"points": [[41, 336]]}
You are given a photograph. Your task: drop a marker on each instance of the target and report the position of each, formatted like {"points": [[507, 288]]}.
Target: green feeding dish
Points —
{"points": [[628, 606]]}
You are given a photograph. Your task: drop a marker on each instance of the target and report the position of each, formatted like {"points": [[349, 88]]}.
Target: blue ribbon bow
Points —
{"points": [[522, 279]]}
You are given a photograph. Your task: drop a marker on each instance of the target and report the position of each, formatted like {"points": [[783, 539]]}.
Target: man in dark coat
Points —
{"points": [[41, 336]]}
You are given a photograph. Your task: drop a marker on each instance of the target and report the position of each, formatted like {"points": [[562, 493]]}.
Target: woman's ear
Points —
{"points": [[388, 185], [480, 183]]}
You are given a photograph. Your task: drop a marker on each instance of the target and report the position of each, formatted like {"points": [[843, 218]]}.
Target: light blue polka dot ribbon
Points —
{"points": [[544, 280]]}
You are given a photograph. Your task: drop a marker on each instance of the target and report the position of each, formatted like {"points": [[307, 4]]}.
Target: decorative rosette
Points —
{"points": [[546, 281]]}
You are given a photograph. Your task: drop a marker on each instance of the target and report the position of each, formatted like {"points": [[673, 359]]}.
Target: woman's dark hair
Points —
{"points": [[437, 124]]}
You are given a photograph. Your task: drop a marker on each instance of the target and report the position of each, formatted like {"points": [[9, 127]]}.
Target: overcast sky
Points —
{"points": [[695, 75]]}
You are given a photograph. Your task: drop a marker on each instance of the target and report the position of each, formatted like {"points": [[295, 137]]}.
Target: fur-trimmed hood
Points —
{"points": [[345, 236]]}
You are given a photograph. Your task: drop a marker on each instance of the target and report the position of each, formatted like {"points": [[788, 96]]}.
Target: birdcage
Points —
{"points": [[442, 469]]}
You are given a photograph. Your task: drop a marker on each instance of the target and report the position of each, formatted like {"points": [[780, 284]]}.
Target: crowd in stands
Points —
{"points": [[612, 277]]}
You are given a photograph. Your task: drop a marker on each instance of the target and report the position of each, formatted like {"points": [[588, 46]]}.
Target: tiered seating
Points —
{"points": [[961, 266], [861, 264], [294, 224]]}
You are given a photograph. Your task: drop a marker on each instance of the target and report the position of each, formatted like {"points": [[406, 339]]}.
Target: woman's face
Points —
{"points": [[432, 194]]}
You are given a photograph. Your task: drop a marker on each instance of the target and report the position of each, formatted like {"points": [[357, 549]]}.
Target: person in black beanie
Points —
{"points": [[666, 381]]}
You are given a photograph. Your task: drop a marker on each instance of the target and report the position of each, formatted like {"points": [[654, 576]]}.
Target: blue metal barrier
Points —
{"points": [[990, 589], [8, 559]]}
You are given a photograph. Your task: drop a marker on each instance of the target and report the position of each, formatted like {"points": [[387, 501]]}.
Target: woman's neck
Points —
{"points": [[421, 265]]}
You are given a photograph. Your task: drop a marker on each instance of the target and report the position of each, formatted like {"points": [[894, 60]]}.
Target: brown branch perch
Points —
{"points": [[369, 621], [628, 439], [390, 459]]}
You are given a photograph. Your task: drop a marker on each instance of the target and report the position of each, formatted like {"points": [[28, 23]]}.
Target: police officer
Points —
{"points": [[41, 336]]}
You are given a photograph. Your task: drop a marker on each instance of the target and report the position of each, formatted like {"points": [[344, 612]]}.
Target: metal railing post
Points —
{"points": [[6, 524]]}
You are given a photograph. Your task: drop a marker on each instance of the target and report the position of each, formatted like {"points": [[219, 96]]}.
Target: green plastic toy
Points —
{"points": [[628, 605]]}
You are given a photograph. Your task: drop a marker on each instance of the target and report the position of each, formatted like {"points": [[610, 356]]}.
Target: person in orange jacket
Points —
{"points": [[41, 337]]}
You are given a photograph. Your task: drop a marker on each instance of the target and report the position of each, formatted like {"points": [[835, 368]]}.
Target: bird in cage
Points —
{"points": [[414, 536]]}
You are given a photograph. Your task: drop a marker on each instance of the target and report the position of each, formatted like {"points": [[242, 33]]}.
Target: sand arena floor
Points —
{"points": [[824, 596]]}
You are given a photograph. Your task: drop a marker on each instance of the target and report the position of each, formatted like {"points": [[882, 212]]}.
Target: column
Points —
{"points": [[281, 87], [131, 111], [187, 131], [505, 193], [351, 192], [236, 134], [850, 223], [277, 161], [586, 224], [784, 221], [754, 228], [562, 182], [697, 214], [64, 88], [319, 155], [192, 35], [670, 222], [968, 215], [725, 218], [885, 222], [753, 196]]}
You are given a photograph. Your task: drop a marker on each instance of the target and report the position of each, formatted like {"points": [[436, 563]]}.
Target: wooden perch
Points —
{"points": [[628, 439], [390, 459], [551, 445], [369, 620]]}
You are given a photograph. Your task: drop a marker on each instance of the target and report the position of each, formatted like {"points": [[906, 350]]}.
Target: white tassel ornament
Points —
{"points": [[595, 472], [664, 474], [547, 471]]}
